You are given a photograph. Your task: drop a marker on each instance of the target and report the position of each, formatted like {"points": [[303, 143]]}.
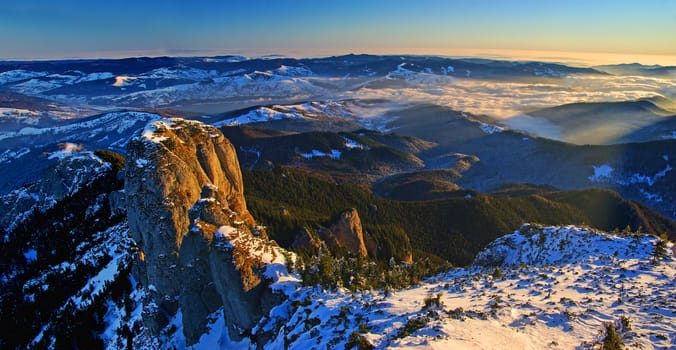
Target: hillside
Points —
{"points": [[464, 224], [564, 288], [597, 123], [136, 263], [360, 156], [638, 171]]}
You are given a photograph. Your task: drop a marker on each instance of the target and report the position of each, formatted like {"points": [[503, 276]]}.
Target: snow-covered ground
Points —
{"points": [[490, 129], [74, 170], [645, 183], [112, 245], [556, 288], [258, 115]]}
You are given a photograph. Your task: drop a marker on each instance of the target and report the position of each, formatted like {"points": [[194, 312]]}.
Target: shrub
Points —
{"points": [[625, 323], [660, 251], [612, 339], [433, 300], [358, 341], [363, 328], [412, 325]]}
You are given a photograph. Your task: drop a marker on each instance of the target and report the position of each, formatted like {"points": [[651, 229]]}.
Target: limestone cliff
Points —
{"points": [[200, 248], [348, 234]]}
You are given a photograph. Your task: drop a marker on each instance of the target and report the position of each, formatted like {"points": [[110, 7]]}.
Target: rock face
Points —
{"points": [[347, 233], [307, 239], [185, 203]]}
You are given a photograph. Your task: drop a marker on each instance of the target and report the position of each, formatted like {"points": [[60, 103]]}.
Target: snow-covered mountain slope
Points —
{"points": [[556, 288], [259, 115], [105, 259], [95, 128], [27, 152], [74, 170], [255, 84], [330, 114], [18, 111], [65, 259], [143, 82]]}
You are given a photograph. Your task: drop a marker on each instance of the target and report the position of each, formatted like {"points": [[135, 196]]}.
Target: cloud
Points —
{"points": [[505, 99]]}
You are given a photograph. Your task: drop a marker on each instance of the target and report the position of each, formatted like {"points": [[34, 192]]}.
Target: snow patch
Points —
{"points": [[31, 255], [25, 116], [9, 154], [352, 144], [333, 154], [152, 130], [490, 129], [601, 173], [292, 71], [141, 163], [651, 197], [123, 80]]}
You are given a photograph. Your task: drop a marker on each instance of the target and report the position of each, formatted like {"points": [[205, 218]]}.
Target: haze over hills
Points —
{"points": [[601, 122], [342, 202], [638, 69], [198, 83]]}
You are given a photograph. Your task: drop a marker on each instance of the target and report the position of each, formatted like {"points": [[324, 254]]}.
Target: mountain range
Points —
{"points": [[355, 201]]}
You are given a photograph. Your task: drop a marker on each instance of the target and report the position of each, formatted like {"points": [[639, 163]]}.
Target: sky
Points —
{"points": [[622, 29]]}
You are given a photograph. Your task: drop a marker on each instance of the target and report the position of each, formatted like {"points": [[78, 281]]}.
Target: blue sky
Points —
{"points": [[77, 28]]}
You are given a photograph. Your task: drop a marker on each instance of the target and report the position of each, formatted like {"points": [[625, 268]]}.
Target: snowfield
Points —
{"points": [[555, 289], [259, 115], [369, 114]]}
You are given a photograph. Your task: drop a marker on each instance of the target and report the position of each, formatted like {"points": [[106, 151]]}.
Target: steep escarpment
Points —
{"points": [[199, 247]]}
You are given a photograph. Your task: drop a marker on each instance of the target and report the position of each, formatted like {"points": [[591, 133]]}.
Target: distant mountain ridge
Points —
{"points": [[312, 203], [601, 122], [638, 69], [166, 81]]}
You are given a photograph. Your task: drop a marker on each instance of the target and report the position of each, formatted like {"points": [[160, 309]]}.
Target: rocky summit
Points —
{"points": [[196, 239]]}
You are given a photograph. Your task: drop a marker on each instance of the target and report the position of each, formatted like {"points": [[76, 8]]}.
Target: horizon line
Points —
{"points": [[584, 59]]}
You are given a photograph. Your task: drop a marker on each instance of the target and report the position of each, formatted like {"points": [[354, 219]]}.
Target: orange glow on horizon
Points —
{"points": [[580, 59]]}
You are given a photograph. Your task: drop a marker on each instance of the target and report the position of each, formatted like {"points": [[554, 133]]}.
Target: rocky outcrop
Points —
{"points": [[347, 234], [307, 239], [186, 210]]}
